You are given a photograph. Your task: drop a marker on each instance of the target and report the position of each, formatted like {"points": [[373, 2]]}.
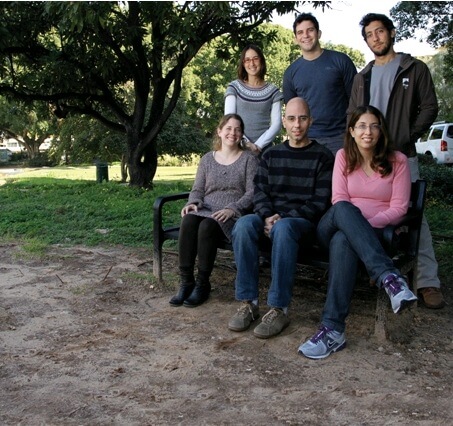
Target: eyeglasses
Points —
{"points": [[373, 127], [254, 59]]}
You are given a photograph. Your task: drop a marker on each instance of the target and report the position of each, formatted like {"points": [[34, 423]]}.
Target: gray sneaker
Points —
{"points": [[323, 343], [273, 323], [245, 315]]}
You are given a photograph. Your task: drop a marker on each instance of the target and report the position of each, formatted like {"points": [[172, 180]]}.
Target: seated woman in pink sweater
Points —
{"points": [[370, 190]]}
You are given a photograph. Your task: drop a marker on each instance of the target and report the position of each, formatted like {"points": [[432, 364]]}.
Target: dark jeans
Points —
{"points": [[349, 237], [198, 236], [285, 236]]}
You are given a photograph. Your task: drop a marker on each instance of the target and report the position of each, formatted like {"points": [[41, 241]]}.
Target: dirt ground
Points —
{"points": [[87, 339]]}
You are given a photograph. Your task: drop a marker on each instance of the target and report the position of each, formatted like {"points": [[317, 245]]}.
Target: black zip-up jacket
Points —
{"points": [[412, 106]]}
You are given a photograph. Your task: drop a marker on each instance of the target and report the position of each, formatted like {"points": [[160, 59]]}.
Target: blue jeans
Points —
{"points": [[285, 236], [349, 237]]}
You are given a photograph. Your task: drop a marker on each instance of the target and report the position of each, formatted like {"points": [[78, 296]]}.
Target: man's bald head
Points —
{"points": [[297, 121], [297, 103]]}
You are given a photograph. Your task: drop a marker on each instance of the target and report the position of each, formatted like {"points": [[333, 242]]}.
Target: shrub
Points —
{"points": [[18, 156], [439, 178], [40, 160]]}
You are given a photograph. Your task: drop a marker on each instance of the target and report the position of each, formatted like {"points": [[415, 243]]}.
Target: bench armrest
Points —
{"points": [[391, 234], [157, 213], [406, 234], [158, 230]]}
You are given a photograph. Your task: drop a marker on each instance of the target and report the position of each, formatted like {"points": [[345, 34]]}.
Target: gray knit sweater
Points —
{"points": [[254, 106], [218, 186]]}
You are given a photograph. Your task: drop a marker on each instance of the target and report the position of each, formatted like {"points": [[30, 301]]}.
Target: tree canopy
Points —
{"points": [[30, 124], [444, 90], [436, 17], [78, 56]]}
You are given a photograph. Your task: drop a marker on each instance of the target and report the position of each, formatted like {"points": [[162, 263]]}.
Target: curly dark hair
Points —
{"points": [[305, 17], [371, 17]]}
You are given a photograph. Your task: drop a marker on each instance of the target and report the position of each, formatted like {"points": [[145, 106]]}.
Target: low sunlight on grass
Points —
{"points": [[163, 174]]}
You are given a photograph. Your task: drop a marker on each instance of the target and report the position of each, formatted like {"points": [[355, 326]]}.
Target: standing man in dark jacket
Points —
{"points": [[402, 88]]}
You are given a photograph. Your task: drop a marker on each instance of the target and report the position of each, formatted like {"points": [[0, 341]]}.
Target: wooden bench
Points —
{"points": [[400, 242]]}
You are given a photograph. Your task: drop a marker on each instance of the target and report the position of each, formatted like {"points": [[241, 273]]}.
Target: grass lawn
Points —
{"points": [[65, 205]]}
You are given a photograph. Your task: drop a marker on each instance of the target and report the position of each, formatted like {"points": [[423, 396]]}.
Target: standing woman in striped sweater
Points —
{"points": [[255, 100]]}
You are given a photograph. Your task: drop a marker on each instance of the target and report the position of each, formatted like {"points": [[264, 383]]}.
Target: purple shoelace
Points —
{"points": [[320, 334], [391, 282]]}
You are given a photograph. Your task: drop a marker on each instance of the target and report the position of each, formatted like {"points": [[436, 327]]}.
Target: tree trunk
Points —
{"points": [[32, 149], [143, 165], [124, 168]]}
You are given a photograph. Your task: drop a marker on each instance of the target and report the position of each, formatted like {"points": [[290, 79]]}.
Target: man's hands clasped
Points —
{"points": [[269, 222]]}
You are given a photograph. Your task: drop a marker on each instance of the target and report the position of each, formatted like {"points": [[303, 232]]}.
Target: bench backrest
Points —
{"points": [[403, 244]]}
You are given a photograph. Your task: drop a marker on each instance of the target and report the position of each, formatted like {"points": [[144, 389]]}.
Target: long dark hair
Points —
{"points": [[242, 73], [383, 151]]}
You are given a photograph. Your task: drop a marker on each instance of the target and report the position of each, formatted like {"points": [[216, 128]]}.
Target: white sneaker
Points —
{"points": [[397, 289]]}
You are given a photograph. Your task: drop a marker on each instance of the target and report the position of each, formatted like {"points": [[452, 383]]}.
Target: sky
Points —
{"points": [[340, 25]]}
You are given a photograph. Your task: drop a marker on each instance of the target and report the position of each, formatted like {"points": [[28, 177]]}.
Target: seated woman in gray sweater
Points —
{"points": [[222, 192]]}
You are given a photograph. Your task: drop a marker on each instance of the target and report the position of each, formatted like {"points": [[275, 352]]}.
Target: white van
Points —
{"points": [[437, 142]]}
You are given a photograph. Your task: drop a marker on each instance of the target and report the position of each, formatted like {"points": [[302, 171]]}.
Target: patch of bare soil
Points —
{"points": [[87, 339]]}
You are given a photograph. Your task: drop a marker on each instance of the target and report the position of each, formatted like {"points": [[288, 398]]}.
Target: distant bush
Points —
{"points": [[41, 160], [177, 161], [18, 156], [426, 160]]}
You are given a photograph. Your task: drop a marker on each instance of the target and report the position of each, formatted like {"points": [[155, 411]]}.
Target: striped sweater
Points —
{"points": [[294, 182]]}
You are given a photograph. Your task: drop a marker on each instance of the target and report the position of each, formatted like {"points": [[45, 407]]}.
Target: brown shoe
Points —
{"points": [[431, 297]]}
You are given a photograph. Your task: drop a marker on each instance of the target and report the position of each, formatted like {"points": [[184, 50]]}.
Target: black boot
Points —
{"points": [[185, 287], [200, 293]]}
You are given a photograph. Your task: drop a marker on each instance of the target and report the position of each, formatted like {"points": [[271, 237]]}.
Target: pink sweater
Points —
{"points": [[382, 200]]}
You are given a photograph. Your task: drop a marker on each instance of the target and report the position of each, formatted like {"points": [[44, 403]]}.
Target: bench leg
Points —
{"points": [[399, 328], [380, 324], [157, 264], [413, 281]]}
